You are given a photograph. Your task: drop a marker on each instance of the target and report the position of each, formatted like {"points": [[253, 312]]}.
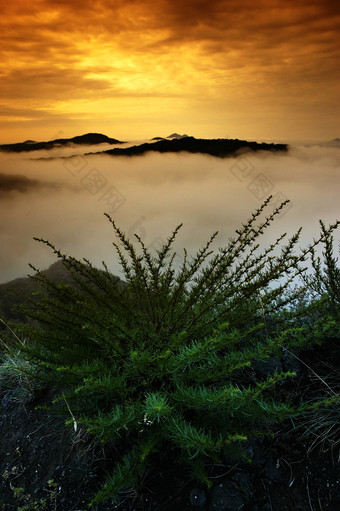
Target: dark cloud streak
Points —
{"points": [[22, 184]]}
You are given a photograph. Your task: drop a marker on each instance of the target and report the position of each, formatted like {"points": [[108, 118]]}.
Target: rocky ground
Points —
{"points": [[45, 466]]}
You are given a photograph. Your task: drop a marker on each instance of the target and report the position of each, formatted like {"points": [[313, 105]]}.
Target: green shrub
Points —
{"points": [[158, 366], [322, 426], [325, 282]]}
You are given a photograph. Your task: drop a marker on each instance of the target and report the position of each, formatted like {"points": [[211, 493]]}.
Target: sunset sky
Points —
{"points": [[140, 68]]}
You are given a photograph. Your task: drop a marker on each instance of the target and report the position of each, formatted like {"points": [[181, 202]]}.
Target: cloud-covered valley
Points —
{"points": [[64, 199]]}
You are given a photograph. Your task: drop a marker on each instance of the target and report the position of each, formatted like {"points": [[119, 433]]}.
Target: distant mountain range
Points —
{"points": [[220, 147], [87, 139], [172, 136], [215, 147], [172, 144]]}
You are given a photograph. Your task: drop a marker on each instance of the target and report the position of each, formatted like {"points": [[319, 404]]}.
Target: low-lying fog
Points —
{"points": [[63, 200]]}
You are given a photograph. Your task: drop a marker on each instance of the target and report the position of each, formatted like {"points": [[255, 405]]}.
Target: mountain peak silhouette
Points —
{"points": [[87, 139], [177, 135]]}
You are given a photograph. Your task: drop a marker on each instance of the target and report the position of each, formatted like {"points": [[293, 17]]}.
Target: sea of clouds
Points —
{"points": [[51, 195]]}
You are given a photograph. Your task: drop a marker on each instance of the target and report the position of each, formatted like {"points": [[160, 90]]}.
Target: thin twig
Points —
{"points": [[12, 332], [312, 370], [308, 494], [75, 425]]}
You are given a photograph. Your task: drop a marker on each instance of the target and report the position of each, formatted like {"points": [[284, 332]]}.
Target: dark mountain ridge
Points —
{"points": [[87, 139], [219, 148], [177, 135], [174, 143], [18, 290]]}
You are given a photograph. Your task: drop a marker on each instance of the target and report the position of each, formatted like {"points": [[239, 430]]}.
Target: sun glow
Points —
{"points": [[256, 67]]}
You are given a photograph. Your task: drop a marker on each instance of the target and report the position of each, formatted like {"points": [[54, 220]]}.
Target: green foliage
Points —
{"points": [[13, 380], [326, 279], [28, 503], [161, 365]]}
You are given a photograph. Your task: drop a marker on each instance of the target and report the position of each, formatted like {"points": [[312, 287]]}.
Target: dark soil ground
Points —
{"points": [[43, 465]]}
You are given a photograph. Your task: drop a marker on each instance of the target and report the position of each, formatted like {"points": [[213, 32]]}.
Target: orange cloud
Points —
{"points": [[141, 67]]}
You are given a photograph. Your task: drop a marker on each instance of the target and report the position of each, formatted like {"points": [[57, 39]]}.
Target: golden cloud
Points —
{"points": [[61, 56]]}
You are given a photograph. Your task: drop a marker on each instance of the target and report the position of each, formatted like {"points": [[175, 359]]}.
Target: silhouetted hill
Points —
{"points": [[18, 290], [170, 137], [87, 139], [176, 135], [214, 147], [331, 143]]}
